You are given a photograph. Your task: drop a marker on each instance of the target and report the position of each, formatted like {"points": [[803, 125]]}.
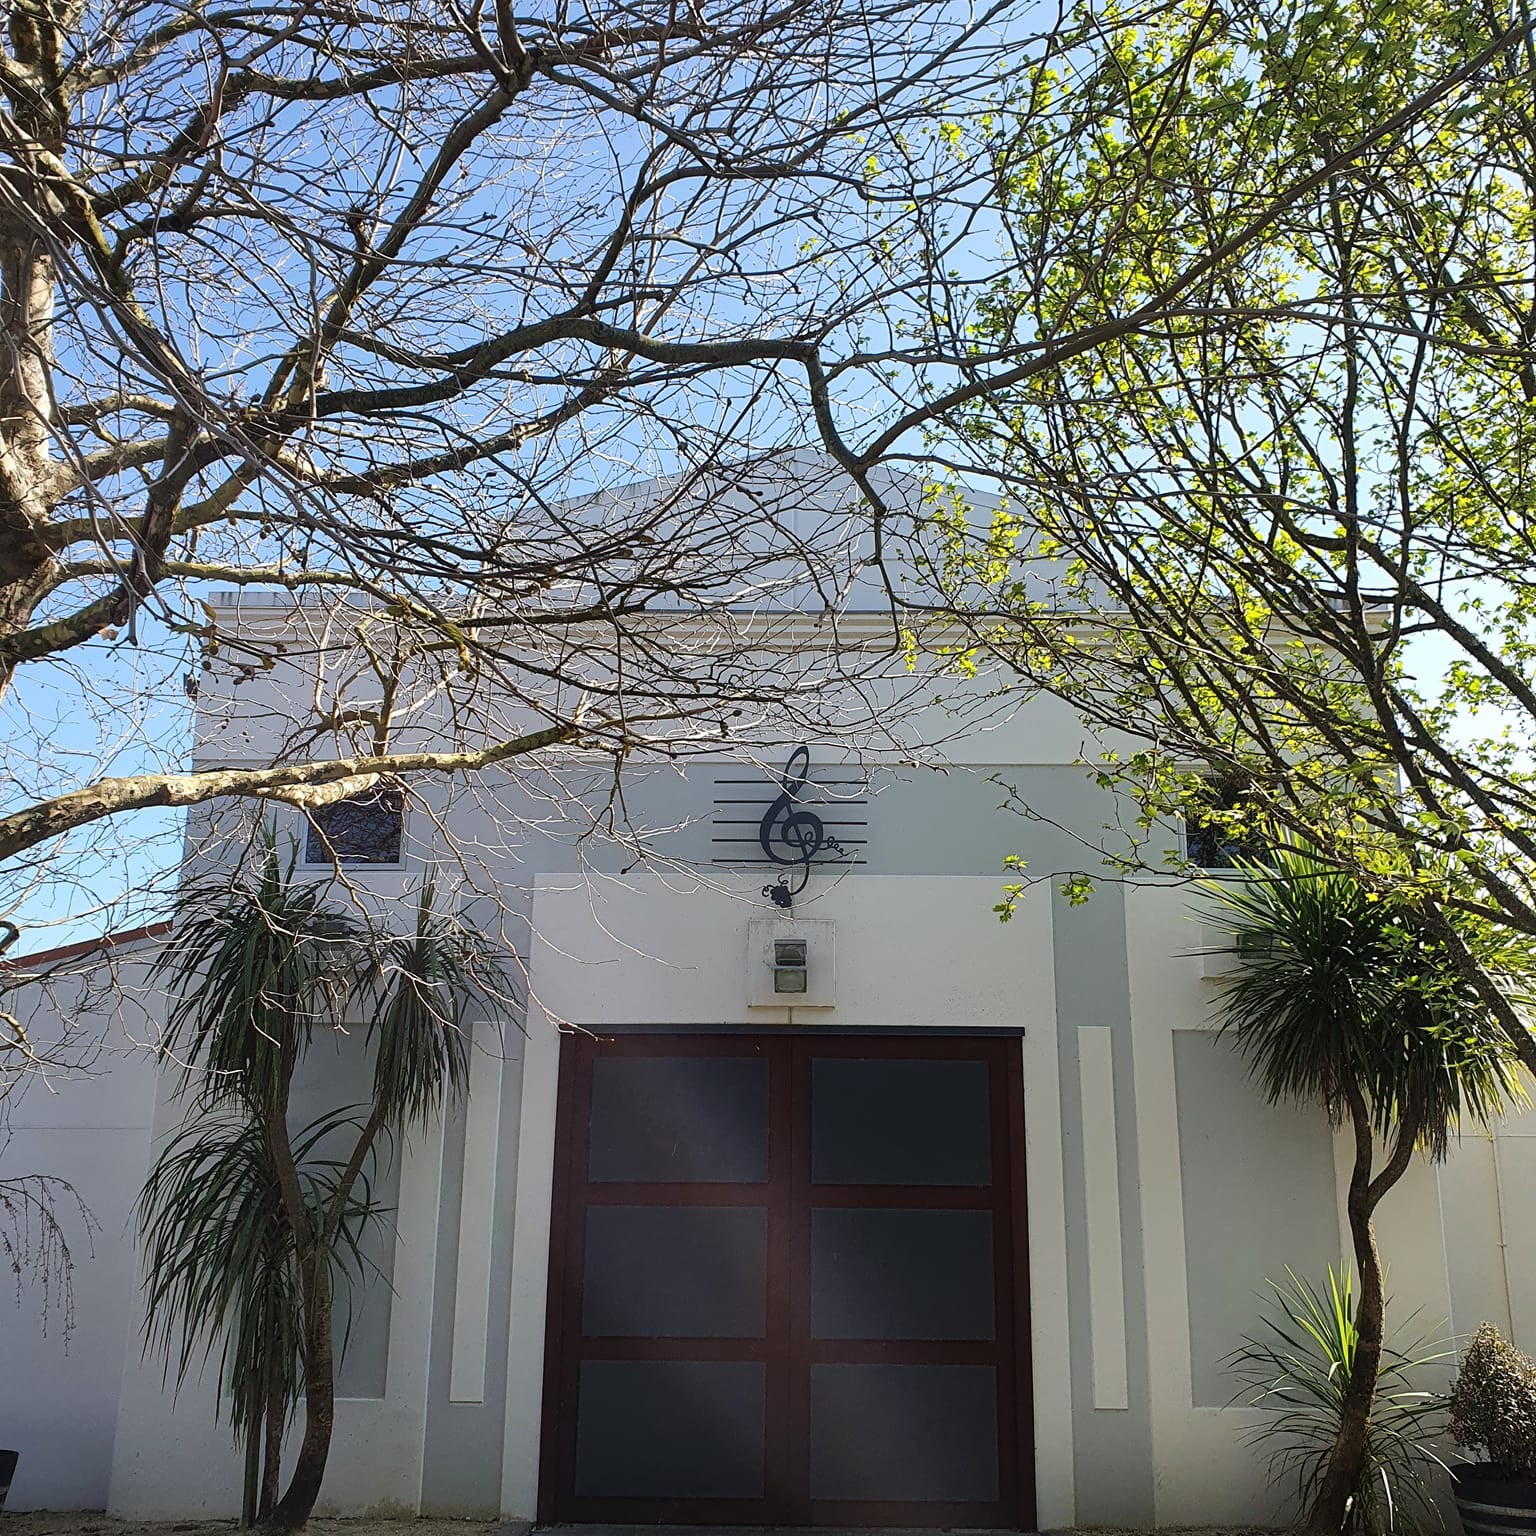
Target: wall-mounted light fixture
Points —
{"points": [[790, 963]]}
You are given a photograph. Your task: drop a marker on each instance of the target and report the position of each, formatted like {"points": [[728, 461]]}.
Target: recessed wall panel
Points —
{"points": [[1258, 1187]]}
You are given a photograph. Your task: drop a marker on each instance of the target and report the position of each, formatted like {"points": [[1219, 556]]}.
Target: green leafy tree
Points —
{"points": [[1345, 1001], [1283, 535], [263, 969]]}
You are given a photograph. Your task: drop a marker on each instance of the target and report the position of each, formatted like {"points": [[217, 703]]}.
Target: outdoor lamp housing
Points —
{"points": [[790, 963]]}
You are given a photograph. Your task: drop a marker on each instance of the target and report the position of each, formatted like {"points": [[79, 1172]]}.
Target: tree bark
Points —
{"points": [[1330, 1512], [292, 1511], [248, 1511], [295, 783], [274, 1417]]}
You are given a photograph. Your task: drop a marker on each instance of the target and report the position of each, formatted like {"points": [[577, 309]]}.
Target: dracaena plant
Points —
{"points": [[1297, 1367], [268, 966], [1347, 1003]]}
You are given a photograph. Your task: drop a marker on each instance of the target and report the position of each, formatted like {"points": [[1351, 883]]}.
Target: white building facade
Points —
{"points": [[958, 1232]]}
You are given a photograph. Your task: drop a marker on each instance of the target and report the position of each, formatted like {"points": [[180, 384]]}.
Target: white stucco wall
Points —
{"points": [[88, 1124], [910, 952], [1177, 1194]]}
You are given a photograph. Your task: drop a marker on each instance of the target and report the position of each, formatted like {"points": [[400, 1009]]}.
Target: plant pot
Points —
{"points": [[1491, 1503], [7, 1472]]}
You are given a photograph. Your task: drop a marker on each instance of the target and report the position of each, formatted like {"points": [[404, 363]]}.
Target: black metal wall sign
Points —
{"points": [[786, 822], [791, 833]]}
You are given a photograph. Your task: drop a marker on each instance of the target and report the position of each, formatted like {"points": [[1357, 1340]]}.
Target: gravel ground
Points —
{"points": [[85, 1522], [94, 1523]]}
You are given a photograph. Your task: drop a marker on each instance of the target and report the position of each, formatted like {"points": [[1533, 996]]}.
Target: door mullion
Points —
{"points": [[799, 1053], [778, 1448]]}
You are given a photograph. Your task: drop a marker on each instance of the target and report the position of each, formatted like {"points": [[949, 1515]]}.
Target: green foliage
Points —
{"points": [[1493, 1403], [268, 962], [220, 1265], [1295, 1369], [421, 1051], [1339, 991], [1277, 526], [246, 1228], [260, 966]]}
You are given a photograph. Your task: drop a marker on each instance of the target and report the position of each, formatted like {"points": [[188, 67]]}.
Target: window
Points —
{"points": [[1217, 835], [366, 829]]}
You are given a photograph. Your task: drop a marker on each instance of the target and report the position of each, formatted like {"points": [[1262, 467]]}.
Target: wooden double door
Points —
{"points": [[787, 1283]]}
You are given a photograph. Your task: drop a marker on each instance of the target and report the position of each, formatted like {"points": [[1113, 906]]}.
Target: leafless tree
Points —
{"points": [[375, 308], [369, 303]]}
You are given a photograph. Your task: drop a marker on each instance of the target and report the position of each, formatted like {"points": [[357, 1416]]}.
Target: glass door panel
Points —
{"points": [[787, 1283]]}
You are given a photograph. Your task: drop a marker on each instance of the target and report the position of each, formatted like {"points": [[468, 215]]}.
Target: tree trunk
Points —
{"points": [[248, 1509], [1330, 1510], [292, 1511], [313, 1250], [274, 1424], [1346, 1461], [29, 478]]}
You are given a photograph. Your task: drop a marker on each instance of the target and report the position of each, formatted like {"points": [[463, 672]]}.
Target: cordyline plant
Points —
{"points": [[1344, 1002], [1298, 1369], [221, 1273], [265, 968]]}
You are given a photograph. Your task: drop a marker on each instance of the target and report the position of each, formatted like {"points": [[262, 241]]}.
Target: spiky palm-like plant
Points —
{"points": [[265, 965], [1297, 1369], [212, 1191], [1343, 1001]]}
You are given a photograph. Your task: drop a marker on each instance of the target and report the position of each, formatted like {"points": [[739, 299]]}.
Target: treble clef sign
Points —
{"points": [[793, 835]]}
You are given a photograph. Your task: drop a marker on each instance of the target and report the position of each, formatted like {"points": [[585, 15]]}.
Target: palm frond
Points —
{"points": [[253, 969], [220, 1271], [1337, 987], [430, 980]]}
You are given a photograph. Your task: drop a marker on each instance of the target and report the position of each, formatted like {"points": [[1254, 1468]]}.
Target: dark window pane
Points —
{"points": [[689, 1119], [363, 830], [900, 1122], [1218, 830], [670, 1429], [691, 1272], [901, 1274], [904, 1432]]}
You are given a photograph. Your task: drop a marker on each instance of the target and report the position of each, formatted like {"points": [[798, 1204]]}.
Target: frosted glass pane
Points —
{"points": [[675, 1272], [901, 1274], [920, 1432], [685, 1119], [671, 1429], [900, 1122]]}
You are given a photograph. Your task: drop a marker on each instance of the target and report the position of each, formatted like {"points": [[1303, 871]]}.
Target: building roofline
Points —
{"points": [[87, 946]]}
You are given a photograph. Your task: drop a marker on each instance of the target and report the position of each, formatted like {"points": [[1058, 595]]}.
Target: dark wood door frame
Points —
{"points": [[790, 1197]]}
